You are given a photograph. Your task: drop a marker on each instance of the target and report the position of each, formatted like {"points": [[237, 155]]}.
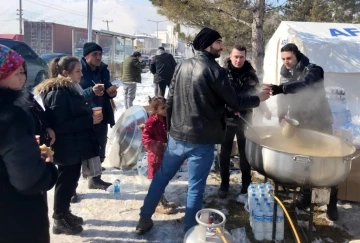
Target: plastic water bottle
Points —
{"points": [[251, 201], [268, 221], [258, 228], [279, 224], [115, 187], [251, 187]]}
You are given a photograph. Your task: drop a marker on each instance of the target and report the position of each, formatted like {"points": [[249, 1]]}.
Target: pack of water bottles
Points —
{"points": [[261, 205]]}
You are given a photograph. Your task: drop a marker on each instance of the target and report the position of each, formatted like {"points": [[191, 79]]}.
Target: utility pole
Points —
{"points": [[20, 16], [107, 23], [89, 19], [157, 30]]}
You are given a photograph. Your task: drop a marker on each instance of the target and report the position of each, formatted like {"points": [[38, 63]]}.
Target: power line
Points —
{"points": [[60, 9]]}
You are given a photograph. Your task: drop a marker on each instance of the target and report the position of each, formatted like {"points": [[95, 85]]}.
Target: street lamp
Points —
{"points": [[157, 29]]}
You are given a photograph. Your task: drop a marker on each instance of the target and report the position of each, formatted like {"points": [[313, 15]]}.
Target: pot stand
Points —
{"points": [[318, 195]]}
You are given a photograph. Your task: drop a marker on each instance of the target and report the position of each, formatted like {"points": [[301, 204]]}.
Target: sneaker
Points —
{"points": [[74, 198], [74, 219], [242, 198], [222, 193], [64, 226], [144, 226], [163, 209], [97, 183]]}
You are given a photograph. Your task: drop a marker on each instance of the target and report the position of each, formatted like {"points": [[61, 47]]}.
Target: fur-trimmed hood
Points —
{"points": [[53, 83]]}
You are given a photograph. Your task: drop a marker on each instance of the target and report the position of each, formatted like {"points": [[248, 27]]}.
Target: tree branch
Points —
{"points": [[231, 16]]}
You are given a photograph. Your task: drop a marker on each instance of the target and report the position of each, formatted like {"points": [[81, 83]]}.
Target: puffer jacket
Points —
{"points": [[100, 76], [304, 96], [24, 176], [198, 93], [245, 82], [70, 116]]}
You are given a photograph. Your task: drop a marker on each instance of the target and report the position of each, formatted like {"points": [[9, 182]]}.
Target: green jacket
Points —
{"points": [[132, 70]]}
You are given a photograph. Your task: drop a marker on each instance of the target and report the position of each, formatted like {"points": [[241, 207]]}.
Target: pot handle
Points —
{"points": [[352, 158], [302, 159]]}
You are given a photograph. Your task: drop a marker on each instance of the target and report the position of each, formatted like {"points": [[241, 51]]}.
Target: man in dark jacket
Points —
{"points": [[24, 175], [244, 80], [98, 89], [302, 97], [131, 76], [163, 67], [198, 93]]}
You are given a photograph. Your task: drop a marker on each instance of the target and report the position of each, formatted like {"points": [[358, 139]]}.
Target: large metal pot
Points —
{"points": [[305, 162], [125, 138]]}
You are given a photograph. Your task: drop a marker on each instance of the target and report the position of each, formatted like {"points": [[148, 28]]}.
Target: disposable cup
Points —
{"points": [[97, 110]]}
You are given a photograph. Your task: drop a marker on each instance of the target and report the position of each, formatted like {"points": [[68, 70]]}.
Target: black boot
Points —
{"points": [[63, 225], [74, 219], [97, 183], [223, 192], [304, 200], [332, 212]]}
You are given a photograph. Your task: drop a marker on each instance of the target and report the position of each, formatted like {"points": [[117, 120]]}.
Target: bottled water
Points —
{"points": [[279, 224], [258, 223], [250, 188], [251, 201], [115, 187], [268, 221]]}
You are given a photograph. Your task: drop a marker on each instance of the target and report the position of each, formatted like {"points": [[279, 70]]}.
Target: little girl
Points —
{"points": [[154, 139]]}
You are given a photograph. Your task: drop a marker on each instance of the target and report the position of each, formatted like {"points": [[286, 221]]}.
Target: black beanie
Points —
{"points": [[205, 38], [90, 47]]}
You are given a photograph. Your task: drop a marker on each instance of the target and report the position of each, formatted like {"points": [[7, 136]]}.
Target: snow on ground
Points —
{"points": [[113, 217]]}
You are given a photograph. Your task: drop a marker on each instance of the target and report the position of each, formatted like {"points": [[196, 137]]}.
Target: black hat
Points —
{"points": [[136, 54], [90, 47], [161, 48], [205, 38]]}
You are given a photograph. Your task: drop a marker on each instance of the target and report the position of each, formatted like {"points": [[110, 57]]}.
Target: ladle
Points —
{"points": [[253, 128]]}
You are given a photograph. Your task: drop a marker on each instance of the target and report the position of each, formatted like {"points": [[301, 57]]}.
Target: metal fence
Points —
{"points": [[116, 47]]}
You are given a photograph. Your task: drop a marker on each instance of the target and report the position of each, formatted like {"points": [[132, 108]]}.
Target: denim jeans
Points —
{"points": [[199, 158]]}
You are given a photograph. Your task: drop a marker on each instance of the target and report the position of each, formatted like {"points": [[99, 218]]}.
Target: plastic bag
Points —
{"points": [[142, 167]]}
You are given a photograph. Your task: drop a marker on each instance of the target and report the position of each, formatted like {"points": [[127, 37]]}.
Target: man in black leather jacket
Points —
{"points": [[302, 97], [245, 81], [198, 93]]}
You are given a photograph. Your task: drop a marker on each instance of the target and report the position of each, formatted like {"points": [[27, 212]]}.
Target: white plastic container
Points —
{"points": [[198, 233]]}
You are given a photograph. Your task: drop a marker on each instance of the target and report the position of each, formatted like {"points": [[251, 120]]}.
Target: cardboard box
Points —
{"points": [[349, 190]]}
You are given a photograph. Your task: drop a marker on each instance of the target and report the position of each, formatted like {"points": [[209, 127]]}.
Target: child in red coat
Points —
{"points": [[154, 139]]}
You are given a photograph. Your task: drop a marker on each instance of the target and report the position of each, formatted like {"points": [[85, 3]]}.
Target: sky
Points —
{"points": [[127, 16]]}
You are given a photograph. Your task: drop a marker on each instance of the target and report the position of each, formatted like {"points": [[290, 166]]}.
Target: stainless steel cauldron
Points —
{"points": [[301, 160], [125, 138]]}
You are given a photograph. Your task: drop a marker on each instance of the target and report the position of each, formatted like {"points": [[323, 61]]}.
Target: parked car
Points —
{"points": [[146, 58], [50, 56], [37, 68]]}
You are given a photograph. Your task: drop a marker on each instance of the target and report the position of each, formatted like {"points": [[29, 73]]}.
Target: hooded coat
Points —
{"points": [[163, 67], [70, 116]]}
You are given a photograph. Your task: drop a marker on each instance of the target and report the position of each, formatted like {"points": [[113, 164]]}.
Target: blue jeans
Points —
{"points": [[199, 158]]}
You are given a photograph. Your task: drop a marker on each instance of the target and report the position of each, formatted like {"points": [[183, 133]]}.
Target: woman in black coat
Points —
{"points": [[24, 174], [70, 115]]}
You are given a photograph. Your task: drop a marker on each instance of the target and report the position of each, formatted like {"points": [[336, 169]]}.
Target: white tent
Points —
{"points": [[333, 46]]}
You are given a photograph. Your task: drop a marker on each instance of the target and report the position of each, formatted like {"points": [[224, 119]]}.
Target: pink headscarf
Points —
{"points": [[10, 61]]}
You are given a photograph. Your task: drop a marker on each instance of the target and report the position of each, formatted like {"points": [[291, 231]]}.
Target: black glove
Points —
{"points": [[277, 89]]}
